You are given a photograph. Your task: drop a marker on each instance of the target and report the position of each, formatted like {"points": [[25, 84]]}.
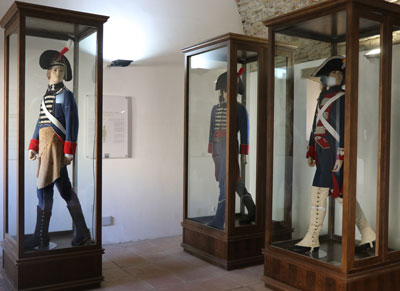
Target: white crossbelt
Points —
{"points": [[52, 118], [320, 116]]}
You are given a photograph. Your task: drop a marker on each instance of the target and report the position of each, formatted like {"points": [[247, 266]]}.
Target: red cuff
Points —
{"points": [[340, 154], [34, 145], [244, 149], [310, 152], [210, 148], [69, 148]]}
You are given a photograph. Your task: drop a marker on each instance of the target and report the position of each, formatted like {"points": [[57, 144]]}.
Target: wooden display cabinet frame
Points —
{"points": [[285, 270], [68, 268], [234, 247]]}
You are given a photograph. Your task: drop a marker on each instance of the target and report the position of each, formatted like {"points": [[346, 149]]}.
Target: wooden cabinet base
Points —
{"points": [[72, 270], [212, 246], [290, 273]]}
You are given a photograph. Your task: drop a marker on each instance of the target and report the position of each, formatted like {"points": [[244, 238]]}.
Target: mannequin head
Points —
{"points": [[331, 71], [335, 78], [221, 85], [55, 74], [222, 96], [53, 61]]}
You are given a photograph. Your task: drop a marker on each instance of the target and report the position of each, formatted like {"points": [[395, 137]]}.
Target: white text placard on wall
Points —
{"points": [[115, 126]]}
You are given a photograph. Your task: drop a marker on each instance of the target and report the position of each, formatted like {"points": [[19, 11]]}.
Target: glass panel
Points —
{"points": [[207, 137], [305, 146], [59, 98], [85, 165], [246, 127], [12, 135], [367, 141], [281, 154], [394, 190]]}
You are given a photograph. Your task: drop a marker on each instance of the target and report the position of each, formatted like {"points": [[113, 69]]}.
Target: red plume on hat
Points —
{"points": [[66, 48], [241, 70]]}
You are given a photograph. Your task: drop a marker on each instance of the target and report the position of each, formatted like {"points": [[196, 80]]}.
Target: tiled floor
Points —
{"points": [[161, 264]]}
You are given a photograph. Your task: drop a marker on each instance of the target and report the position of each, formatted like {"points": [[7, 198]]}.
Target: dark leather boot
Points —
{"points": [[218, 220], [40, 238], [82, 236], [364, 248], [251, 210], [304, 250]]}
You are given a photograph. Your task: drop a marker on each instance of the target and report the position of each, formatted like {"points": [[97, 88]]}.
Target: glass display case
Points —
{"points": [[52, 127], [333, 146], [225, 113]]}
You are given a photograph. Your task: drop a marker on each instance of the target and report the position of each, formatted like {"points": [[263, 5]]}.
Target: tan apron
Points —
{"points": [[51, 157]]}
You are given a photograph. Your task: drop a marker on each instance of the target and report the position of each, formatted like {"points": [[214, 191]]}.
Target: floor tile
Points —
{"points": [[259, 287], [161, 264]]}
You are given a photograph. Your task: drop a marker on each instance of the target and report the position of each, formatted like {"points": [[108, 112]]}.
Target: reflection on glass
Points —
{"points": [[281, 155], [394, 188], [207, 126], [218, 145], [54, 116], [247, 129], [12, 135], [367, 144], [208, 122], [84, 178]]}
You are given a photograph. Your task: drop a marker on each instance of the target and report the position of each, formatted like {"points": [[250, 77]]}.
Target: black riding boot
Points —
{"points": [[82, 236], [251, 210], [40, 238], [218, 220]]}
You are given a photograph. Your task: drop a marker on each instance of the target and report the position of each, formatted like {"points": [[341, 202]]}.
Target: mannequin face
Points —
{"points": [[222, 96], [56, 74], [338, 76]]}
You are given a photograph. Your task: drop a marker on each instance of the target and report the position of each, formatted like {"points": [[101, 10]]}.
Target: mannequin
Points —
{"points": [[54, 145], [326, 152], [217, 146]]}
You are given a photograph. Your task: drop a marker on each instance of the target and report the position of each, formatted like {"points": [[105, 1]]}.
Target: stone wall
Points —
{"points": [[254, 12]]}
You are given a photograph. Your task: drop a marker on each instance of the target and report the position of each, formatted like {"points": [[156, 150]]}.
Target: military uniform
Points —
{"points": [[50, 141], [327, 145], [326, 148], [217, 147], [54, 139]]}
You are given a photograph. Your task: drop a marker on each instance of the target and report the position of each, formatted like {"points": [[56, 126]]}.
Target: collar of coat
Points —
{"points": [[54, 88]]}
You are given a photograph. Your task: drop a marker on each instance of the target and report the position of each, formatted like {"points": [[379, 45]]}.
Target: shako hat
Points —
{"points": [[222, 82], [335, 63], [51, 58]]}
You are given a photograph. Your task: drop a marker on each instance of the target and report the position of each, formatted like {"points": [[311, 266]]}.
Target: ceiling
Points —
{"points": [[154, 31]]}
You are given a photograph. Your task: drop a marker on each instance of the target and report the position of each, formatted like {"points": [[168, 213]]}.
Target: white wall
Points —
{"points": [[203, 188], [144, 193]]}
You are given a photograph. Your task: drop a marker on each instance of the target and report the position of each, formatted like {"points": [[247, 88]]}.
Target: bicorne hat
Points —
{"points": [[222, 83], [51, 58], [335, 63]]}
